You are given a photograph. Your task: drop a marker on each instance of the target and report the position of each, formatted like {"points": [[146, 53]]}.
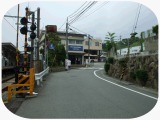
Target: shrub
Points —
{"points": [[122, 62], [110, 60], [142, 75], [106, 67], [133, 75]]}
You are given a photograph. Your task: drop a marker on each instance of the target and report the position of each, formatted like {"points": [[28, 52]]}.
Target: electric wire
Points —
{"points": [[84, 11], [77, 10], [11, 26], [87, 4], [80, 14], [78, 29], [62, 25], [100, 6], [136, 18]]}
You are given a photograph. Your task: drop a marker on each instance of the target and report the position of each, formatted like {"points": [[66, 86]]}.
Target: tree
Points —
{"points": [[111, 47], [110, 37], [56, 56], [155, 30]]}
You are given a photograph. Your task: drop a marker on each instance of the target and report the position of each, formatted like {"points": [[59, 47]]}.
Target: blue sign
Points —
{"points": [[75, 48], [51, 46]]}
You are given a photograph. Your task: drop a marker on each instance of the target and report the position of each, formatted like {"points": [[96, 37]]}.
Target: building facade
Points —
{"points": [[77, 46], [8, 54], [92, 49]]}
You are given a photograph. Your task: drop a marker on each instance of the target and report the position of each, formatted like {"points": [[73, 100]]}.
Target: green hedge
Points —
{"points": [[106, 67], [142, 75], [111, 60]]}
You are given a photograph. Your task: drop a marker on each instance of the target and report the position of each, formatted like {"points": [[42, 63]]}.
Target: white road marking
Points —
{"points": [[90, 68], [123, 86]]}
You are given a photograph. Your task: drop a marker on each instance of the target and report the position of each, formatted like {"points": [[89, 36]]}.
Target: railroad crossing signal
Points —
{"points": [[24, 29]]}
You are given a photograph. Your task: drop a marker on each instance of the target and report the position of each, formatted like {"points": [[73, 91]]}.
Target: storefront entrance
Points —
{"points": [[75, 59]]}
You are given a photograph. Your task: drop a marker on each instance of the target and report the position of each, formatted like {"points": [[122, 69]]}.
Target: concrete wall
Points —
{"points": [[151, 45]]}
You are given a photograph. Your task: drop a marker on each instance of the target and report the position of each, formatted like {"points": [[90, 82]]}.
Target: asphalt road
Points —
{"points": [[79, 93]]}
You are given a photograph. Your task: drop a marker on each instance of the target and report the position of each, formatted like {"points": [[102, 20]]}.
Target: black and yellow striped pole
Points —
{"points": [[25, 45]]}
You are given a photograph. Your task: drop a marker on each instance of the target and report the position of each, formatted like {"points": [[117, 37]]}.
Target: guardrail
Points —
{"points": [[39, 76]]}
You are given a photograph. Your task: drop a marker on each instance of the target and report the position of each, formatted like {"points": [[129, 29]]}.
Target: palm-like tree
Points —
{"points": [[110, 37], [110, 44]]}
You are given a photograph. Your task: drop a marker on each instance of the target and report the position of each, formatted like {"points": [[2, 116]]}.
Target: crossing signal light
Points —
{"points": [[24, 21], [33, 35], [24, 30], [33, 27]]}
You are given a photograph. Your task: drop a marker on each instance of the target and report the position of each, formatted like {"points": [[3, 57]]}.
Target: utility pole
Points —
{"points": [[38, 32], [67, 39], [25, 45], [88, 49], [17, 55], [120, 41], [32, 42], [17, 38]]}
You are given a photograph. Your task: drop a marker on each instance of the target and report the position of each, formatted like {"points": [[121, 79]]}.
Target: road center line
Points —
{"points": [[123, 86]]}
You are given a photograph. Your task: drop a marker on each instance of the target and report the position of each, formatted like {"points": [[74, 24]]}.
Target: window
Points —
{"points": [[71, 41], [96, 43], [78, 41]]}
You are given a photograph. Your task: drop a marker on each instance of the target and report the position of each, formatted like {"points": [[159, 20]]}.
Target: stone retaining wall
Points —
{"points": [[148, 63]]}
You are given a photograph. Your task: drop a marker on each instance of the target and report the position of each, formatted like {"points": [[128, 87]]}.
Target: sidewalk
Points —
{"points": [[15, 103]]}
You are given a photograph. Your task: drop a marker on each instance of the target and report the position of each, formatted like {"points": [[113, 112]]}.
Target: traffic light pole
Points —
{"points": [[32, 43], [38, 26], [17, 38], [88, 49], [67, 39], [25, 46]]}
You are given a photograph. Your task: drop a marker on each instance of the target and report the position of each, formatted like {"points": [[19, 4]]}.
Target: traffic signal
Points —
{"points": [[24, 29], [24, 22], [33, 28]]}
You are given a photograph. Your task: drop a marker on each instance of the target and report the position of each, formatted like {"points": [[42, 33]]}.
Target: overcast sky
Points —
{"points": [[103, 17]]}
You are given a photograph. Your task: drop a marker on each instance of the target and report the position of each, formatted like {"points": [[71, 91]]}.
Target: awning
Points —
{"points": [[90, 55]]}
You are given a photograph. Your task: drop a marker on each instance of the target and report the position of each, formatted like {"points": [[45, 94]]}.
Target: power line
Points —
{"points": [[62, 25], [80, 10], [11, 26], [136, 18], [78, 29], [84, 11], [80, 14], [76, 10], [100, 6]]}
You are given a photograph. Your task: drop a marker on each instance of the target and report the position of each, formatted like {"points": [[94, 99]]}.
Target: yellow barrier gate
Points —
{"points": [[23, 81]]}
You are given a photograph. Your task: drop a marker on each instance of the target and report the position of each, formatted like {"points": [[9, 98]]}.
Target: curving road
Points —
{"points": [[87, 93]]}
